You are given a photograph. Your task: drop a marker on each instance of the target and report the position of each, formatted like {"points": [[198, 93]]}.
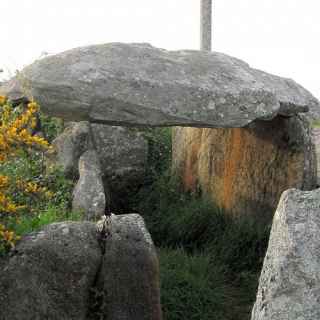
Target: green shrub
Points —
{"points": [[241, 245], [30, 167], [192, 287], [177, 219], [50, 126], [34, 221], [42, 197], [159, 151]]}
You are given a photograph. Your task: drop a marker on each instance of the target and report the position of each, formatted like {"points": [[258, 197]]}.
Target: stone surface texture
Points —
{"points": [[64, 272], [89, 193], [137, 84], [289, 287], [69, 146], [245, 170], [129, 277], [123, 155], [316, 135], [50, 274], [123, 152]]}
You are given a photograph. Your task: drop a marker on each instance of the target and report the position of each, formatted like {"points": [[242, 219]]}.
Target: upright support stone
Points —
{"points": [[206, 25], [289, 285], [245, 170], [89, 193], [129, 277]]}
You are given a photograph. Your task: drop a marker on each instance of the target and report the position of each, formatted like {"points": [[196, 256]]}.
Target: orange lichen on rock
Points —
{"points": [[188, 170], [245, 170], [232, 164]]}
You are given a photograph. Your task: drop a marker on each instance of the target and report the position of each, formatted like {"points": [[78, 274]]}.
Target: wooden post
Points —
{"points": [[206, 25]]}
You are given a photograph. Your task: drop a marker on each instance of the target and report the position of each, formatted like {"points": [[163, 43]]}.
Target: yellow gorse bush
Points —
{"points": [[16, 135], [8, 238], [15, 130]]}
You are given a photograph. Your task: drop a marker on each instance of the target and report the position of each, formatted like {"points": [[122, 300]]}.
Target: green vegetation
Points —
{"points": [[32, 222], [316, 124], [195, 287], [209, 262], [42, 196], [50, 126]]}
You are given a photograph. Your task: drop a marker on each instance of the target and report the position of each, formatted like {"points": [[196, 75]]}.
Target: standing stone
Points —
{"points": [[289, 286], [245, 170], [88, 194], [123, 154], [206, 25], [69, 146], [129, 277], [50, 274]]}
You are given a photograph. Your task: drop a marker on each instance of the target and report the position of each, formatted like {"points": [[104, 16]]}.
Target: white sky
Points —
{"points": [[278, 36]]}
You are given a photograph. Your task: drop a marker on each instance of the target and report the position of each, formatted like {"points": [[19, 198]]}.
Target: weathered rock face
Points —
{"points": [[289, 286], [50, 274], [122, 151], [70, 145], [137, 84], [245, 170], [89, 194], [62, 272], [123, 154], [130, 291]]}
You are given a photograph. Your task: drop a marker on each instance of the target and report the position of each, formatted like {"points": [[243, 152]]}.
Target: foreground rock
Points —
{"points": [[89, 193], [245, 170], [50, 275], [289, 287], [60, 273], [137, 84], [129, 278]]}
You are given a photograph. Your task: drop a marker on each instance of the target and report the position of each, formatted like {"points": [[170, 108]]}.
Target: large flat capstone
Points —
{"points": [[137, 84]]}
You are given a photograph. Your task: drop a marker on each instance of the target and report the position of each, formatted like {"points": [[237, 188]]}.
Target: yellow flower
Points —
{"points": [[3, 100], [3, 181], [15, 135], [49, 194]]}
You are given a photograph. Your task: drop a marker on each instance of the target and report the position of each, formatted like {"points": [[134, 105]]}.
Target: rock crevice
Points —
{"points": [[60, 272]]}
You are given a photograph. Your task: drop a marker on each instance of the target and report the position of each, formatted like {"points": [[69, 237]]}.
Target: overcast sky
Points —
{"points": [[278, 36]]}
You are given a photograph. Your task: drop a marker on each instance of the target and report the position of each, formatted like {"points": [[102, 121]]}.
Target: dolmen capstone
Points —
{"points": [[289, 286], [251, 136], [137, 84], [61, 272]]}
